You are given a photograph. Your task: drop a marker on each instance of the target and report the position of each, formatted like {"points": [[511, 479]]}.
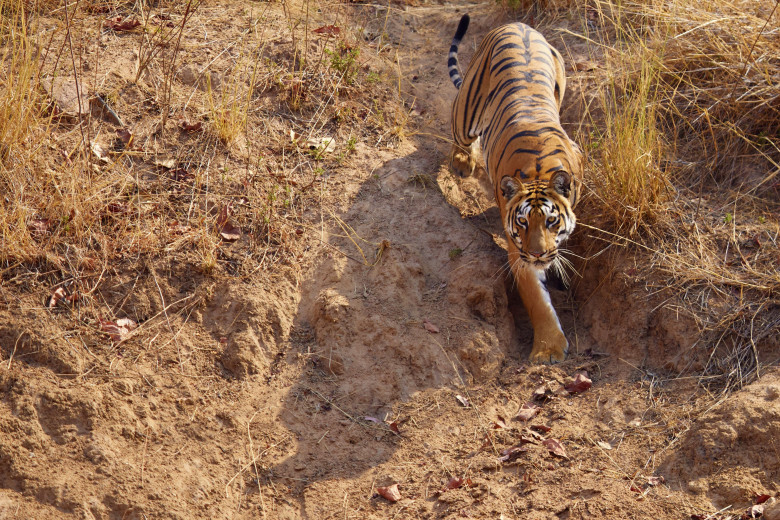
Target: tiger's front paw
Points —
{"points": [[550, 349]]}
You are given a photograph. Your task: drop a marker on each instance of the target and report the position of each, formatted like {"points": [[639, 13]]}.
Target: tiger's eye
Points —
{"points": [[522, 221], [551, 220]]}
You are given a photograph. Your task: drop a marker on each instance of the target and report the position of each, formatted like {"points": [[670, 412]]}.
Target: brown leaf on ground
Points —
{"points": [[756, 511], [499, 423], [454, 483], [541, 428], [168, 164], [655, 481], [555, 447], [463, 401], [120, 25], [330, 30], [513, 453], [760, 499], [125, 136], [59, 294], [187, 126], [542, 393], [585, 66], [527, 412], [529, 436], [430, 327], [580, 383], [162, 19], [118, 330], [226, 228], [40, 226], [100, 152], [118, 208], [390, 493]]}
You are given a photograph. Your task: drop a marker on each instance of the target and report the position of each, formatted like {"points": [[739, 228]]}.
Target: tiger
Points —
{"points": [[508, 103]]}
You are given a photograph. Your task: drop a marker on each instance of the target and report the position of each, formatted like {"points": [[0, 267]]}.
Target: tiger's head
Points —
{"points": [[538, 216]]}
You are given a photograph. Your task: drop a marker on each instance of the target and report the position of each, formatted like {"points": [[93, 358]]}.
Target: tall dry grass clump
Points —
{"points": [[631, 184], [691, 91], [22, 120]]}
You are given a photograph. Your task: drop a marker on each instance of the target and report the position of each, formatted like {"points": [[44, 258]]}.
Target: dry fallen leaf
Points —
{"points": [[585, 66], [604, 445], [59, 294], [462, 400], [321, 145], [390, 493], [125, 136], [760, 499], [510, 454], [330, 30], [499, 423], [655, 481], [542, 393], [455, 483], [119, 25], [226, 228], [119, 329], [530, 437], [168, 164], [40, 226], [186, 126], [100, 152], [580, 383], [527, 412], [430, 327], [543, 428], [555, 447]]}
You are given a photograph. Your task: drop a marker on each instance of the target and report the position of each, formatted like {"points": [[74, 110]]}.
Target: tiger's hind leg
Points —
{"points": [[550, 345], [463, 161]]}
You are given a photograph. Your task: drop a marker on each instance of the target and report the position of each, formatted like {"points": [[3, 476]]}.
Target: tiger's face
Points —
{"points": [[538, 217]]}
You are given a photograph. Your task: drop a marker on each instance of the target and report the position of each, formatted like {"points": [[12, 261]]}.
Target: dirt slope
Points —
{"points": [[301, 395]]}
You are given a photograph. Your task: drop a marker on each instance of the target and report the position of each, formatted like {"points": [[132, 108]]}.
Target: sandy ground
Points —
{"points": [[304, 394]]}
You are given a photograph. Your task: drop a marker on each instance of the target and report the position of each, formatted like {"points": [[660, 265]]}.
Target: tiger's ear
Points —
{"points": [[561, 183], [509, 187]]}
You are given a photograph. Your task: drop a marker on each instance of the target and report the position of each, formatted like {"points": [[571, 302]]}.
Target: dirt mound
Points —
{"points": [[730, 454]]}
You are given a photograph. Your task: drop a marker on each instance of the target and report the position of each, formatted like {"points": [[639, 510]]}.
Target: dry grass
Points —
{"points": [[684, 138], [82, 203], [692, 90]]}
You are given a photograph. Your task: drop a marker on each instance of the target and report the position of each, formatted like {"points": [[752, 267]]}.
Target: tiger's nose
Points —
{"points": [[536, 254]]}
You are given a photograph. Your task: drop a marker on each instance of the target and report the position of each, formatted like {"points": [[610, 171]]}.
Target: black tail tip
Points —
{"points": [[462, 26]]}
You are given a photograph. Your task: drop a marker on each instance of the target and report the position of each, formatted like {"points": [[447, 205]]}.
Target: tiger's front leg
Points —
{"points": [[550, 345], [464, 158]]}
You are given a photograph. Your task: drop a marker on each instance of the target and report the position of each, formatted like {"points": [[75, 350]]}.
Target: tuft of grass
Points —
{"points": [[630, 144]]}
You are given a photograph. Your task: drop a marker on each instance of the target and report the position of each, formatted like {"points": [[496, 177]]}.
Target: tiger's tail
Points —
{"points": [[452, 60]]}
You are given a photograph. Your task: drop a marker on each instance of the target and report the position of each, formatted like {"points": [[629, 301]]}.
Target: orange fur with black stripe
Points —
{"points": [[509, 101]]}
